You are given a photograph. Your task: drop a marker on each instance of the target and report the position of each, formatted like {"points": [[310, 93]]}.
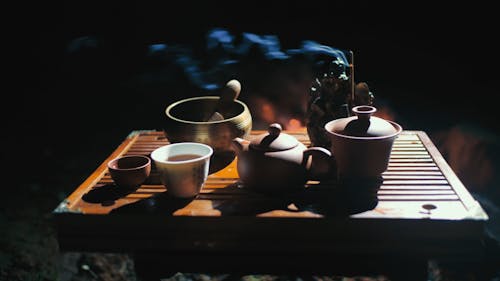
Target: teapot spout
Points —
{"points": [[240, 145]]}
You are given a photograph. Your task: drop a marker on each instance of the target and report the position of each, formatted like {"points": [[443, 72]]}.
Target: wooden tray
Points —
{"points": [[227, 218]]}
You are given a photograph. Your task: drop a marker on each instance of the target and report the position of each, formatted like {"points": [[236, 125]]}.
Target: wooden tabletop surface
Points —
{"points": [[421, 199]]}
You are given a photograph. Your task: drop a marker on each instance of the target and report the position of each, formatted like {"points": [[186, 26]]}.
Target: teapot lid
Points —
{"points": [[365, 125], [273, 140]]}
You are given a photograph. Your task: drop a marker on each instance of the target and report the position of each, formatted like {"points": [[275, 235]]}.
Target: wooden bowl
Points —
{"points": [[184, 122]]}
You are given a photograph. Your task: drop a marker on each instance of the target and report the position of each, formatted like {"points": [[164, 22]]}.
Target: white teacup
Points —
{"points": [[183, 167]]}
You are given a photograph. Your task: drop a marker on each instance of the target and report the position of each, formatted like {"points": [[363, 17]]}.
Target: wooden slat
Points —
{"points": [[416, 192], [152, 186], [416, 187], [414, 182], [413, 142], [392, 168], [407, 137], [412, 177], [396, 163], [408, 152], [411, 145], [411, 172], [412, 160], [418, 197], [138, 152], [408, 149], [409, 156]]}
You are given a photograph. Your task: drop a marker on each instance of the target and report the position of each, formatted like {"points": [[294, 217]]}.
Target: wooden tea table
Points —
{"points": [[423, 212]]}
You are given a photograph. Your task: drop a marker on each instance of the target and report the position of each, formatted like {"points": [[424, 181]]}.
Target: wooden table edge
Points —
{"points": [[67, 204], [474, 208]]}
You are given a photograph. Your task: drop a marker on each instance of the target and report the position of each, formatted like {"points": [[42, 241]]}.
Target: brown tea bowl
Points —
{"points": [[185, 122], [130, 171]]}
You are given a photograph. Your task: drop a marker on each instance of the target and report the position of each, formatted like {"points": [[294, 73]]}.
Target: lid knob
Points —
{"points": [[274, 129], [365, 125], [364, 112], [274, 140]]}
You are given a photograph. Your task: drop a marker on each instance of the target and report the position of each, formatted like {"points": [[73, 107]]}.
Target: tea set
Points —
{"points": [[200, 128]]}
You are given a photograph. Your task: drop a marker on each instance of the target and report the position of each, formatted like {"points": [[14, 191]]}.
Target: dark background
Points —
{"points": [[435, 65], [429, 60]]}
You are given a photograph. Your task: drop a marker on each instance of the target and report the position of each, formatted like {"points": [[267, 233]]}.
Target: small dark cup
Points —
{"points": [[130, 171]]}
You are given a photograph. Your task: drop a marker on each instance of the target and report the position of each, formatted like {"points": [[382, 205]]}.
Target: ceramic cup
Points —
{"points": [[183, 167], [129, 171]]}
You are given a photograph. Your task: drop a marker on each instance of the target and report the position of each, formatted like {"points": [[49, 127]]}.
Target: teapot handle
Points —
{"points": [[319, 163]]}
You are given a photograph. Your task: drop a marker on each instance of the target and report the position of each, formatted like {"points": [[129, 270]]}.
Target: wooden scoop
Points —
{"points": [[228, 94]]}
